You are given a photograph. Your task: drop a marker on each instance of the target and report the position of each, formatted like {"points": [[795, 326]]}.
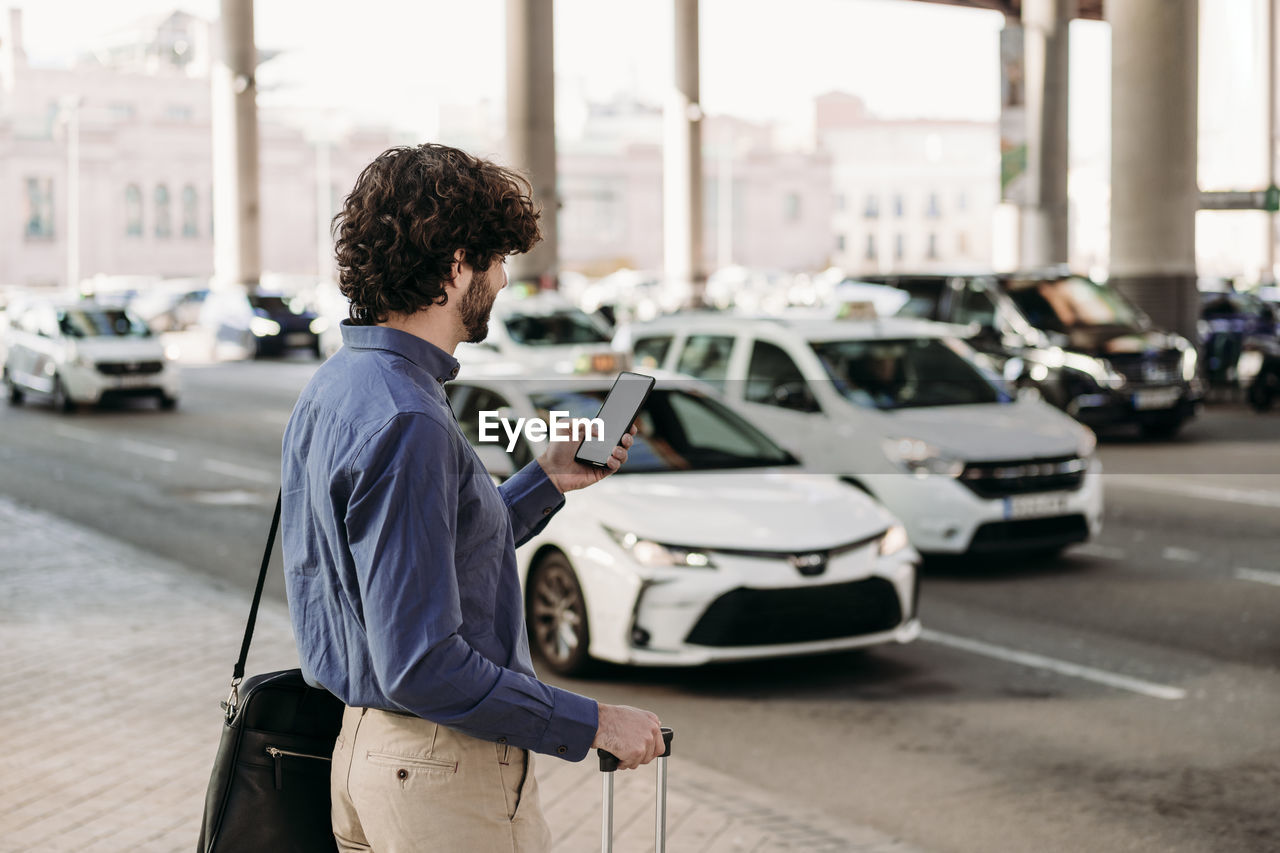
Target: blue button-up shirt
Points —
{"points": [[399, 552]]}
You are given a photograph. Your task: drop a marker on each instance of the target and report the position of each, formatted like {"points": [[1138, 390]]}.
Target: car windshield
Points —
{"points": [[101, 323], [273, 305], [554, 329], [1071, 303], [678, 431], [899, 374]]}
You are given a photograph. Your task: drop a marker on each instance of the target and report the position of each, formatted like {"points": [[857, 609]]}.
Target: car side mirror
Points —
{"points": [[496, 461]]}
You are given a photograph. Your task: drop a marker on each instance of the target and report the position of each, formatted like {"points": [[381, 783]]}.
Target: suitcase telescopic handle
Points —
{"points": [[609, 761]]}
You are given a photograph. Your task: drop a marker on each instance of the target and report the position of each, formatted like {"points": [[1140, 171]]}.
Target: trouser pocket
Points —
{"points": [[513, 770]]}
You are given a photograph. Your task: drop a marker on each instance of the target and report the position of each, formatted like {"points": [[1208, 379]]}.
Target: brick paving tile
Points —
{"points": [[115, 662]]}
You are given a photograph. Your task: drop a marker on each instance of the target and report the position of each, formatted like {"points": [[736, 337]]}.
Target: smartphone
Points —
{"points": [[618, 411]]}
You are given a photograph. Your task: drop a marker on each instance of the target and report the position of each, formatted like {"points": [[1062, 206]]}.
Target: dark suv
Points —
{"points": [[1087, 348]]}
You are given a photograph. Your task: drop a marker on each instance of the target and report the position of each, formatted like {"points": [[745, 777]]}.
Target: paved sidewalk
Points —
{"points": [[114, 662]]}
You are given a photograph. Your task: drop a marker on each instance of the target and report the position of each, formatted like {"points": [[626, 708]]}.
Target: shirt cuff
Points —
{"points": [[531, 497], [572, 727]]}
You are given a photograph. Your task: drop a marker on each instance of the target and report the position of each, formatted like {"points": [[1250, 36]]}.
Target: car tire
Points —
{"points": [[556, 615], [15, 394], [168, 403], [1162, 430], [1264, 390], [62, 401]]}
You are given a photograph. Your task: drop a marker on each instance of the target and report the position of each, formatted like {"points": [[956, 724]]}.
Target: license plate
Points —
{"points": [[1035, 506], [298, 339], [1156, 398]]}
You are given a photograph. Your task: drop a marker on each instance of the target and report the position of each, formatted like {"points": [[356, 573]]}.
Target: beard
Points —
{"points": [[475, 306]]}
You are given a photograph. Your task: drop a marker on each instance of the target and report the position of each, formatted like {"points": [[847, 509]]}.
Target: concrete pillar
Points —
{"points": [[531, 129], [1044, 212], [1154, 191], [237, 245], [682, 163]]}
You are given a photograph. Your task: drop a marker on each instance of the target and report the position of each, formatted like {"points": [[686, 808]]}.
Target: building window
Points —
{"points": [[931, 250], [962, 201], [122, 111], [839, 242], [869, 254], [899, 247], [178, 112], [39, 214], [899, 206], [190, 210], [872, 210], [791, 207], [164, 225], [132, 211], [962, 244], [838, 201], [934, 210]]}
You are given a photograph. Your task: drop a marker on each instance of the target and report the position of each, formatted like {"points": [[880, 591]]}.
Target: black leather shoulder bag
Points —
{"points": [[269, 790]]}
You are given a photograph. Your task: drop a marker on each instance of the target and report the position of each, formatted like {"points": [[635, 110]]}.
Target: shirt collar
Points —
{"points": [[423, 353]]}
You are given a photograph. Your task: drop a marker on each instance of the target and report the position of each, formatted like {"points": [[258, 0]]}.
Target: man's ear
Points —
{"points": [[456, 276]]}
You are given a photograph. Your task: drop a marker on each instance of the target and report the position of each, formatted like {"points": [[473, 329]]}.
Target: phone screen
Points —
{"points": [[618, 412]]}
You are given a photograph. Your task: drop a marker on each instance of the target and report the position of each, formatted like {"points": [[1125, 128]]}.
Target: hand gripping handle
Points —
{"points": [[609, 761]]}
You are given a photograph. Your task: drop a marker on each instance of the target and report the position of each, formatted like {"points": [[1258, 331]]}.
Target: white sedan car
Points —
{"points": [[81, 352], [543, 331], [903, 409], [711, 544]]}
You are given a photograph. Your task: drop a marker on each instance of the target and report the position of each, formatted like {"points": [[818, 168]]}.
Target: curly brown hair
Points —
{"points": [[411, 209]]}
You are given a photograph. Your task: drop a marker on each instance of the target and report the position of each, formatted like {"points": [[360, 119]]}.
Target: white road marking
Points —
{"points": [[1075, 670], [1180, 555], [1152, 483], [151, 451], [1259, 576], [1104, 552], [76, 433], [231, 469]]}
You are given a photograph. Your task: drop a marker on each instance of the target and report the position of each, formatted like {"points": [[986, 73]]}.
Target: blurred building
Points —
{"points": [[909, 194], [142, 100]]}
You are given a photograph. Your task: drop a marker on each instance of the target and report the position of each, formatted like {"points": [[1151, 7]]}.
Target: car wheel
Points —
{"points": [[168, 403], [1162, 429], [62, 401], [15, 394], [1263, 391], [557, 616]]}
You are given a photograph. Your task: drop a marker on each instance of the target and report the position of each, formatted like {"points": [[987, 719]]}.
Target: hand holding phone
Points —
{"points": [[618, 411]]}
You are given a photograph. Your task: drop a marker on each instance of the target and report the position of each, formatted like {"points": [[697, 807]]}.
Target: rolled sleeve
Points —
{"points": [[532, 499]]}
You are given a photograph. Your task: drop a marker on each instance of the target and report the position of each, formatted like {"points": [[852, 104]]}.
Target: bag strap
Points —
{"points": [[237, 674]]}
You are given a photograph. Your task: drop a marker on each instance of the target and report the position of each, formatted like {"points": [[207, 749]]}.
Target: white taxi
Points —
{"points": [[710, 544], [82, 352], [543, 330], [905, 410]]}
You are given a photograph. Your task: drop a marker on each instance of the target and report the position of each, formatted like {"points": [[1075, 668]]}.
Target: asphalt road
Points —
{"points": [[1122, 697]]}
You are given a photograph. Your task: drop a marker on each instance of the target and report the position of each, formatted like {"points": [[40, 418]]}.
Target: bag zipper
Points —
{"points": [[278, 755]]}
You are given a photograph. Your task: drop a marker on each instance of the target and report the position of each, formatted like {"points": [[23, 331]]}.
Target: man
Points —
{"points": [[400, 551]]}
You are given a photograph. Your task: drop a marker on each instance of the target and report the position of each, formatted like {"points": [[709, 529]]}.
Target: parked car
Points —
{"points": [[260, 325], [1236, 331], [82, 352], [1081, 343], [533, 329], [902, 409], [711, 544], [171, 306]]}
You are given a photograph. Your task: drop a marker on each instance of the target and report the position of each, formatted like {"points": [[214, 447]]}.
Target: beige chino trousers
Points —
{"points": [[405, 785]]}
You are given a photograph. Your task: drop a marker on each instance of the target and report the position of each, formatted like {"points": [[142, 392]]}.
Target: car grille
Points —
{"points": [[1030, 533], [124, 368], [761, 617], [1149, 368], [1026, 476]]}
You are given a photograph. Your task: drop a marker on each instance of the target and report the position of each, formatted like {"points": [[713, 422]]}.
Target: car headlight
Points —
{"points": [[318, 325], [1087, 443], [646, 552], [922, 458], [893, 540], [1189, 361], [1097, 369], [264, 328]]}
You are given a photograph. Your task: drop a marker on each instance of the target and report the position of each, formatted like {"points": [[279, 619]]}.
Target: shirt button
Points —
{"points": [[562, 749], [502, 740], [453, 373], [547, 511]]}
